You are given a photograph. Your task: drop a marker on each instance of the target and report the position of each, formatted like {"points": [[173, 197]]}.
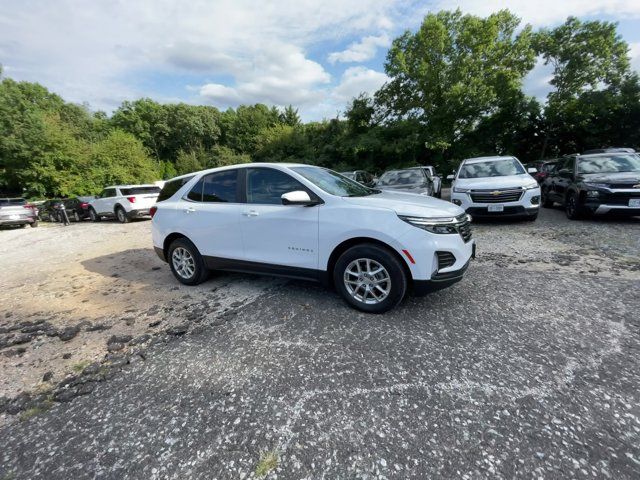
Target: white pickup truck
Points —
{"points": [[123, 202]]}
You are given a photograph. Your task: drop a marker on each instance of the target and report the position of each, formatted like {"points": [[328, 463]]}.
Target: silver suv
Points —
{"points": [[18, 212]]}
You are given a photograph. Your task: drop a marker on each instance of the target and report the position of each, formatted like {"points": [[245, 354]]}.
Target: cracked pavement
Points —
{"points": [[527, 368]]}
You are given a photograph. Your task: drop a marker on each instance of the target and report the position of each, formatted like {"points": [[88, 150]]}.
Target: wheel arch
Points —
{"points": [[169, 240], [352, 242]]}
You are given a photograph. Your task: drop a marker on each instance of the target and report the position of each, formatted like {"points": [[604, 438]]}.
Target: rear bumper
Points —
{"points": [[18, 221], [139, 213], [439, 281]]}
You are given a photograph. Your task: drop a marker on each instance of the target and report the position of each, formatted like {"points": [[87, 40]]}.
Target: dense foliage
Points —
{"points": [[455, 91]]}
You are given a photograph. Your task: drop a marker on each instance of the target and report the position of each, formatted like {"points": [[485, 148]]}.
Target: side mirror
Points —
{"points": [[532, 170], [450, 177], [298, 197]]}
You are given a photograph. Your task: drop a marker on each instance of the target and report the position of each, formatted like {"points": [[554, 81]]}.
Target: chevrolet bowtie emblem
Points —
{"points": [[496, 192]]}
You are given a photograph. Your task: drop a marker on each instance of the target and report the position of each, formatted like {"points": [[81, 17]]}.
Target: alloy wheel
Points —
{"points": [[183, 263], [367, 281]]}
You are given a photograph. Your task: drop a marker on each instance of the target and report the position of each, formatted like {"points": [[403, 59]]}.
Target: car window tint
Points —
{"points": [[267, 185], [139, 190], [568, 164], [220, 186], [195, 194], [171, 187]]}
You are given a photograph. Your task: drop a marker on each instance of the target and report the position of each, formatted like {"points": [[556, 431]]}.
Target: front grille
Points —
{"points": [[464, 227], [496, 196], [445, 259], [618, 198]]}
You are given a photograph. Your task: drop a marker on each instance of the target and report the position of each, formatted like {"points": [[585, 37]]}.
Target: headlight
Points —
{"points": [[531, 186], [442, 225], [596, 185], [461, 190]]}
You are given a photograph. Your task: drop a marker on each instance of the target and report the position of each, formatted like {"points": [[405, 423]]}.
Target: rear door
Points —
{"points": [[209, 215], [273, 233]]}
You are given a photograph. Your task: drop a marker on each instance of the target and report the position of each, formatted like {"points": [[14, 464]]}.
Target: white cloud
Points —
{"points": [[546, 12], [357, 80], [361, 51], [634, 53], [536, 83]]}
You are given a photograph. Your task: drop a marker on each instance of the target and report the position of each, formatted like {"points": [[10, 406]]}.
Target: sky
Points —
{"points": [[315, 55]]}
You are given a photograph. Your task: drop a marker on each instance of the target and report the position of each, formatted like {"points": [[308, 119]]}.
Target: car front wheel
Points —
{"points": [[186, 263], [546, 201], [370, 278], [93, 216], [572, 207]]}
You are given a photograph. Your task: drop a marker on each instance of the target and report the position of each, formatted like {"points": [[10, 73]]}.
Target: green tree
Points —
{"points": [[454, 71]]}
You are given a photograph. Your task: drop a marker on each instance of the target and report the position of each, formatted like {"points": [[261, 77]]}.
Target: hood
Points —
{"points": [[408, 204], [405, 188], [508, 181], [618, 178]]}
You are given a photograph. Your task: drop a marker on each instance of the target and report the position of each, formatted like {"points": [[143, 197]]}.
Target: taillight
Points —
{"points": [[84, 205], [132, 199], [153, 210]]}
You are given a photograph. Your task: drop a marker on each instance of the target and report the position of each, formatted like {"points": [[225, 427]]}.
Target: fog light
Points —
{"points": [[457, 202], [535, 200]]}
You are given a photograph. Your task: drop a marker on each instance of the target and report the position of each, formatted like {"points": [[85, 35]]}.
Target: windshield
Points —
{"points": [[139, 190], [350, 175], [492, 168], [333, 183], [402, 177], [609, 164], [12, 201]]}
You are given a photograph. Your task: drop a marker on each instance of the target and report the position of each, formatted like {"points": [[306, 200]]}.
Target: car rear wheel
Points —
{"points": [[370, 278], [34, 224], [572, 207], [186, 263], [76, 217], [93, 216], [121, 215]]}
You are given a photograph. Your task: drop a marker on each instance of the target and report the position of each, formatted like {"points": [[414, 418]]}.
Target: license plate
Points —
{"points": [[496, 208], [14, 217], [634, 203]]}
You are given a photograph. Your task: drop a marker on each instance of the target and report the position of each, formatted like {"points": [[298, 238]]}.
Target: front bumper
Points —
{"points": [[615, 202], [439, 280], [527, 206]]}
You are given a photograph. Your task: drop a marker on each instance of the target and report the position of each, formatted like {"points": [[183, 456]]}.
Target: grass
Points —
{"points": [[80, 366], [32, 412], [268, 462]]}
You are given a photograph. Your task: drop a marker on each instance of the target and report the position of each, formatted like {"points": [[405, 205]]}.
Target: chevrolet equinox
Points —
{"points": [[307, 222]]}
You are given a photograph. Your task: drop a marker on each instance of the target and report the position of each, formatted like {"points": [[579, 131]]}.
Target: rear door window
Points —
{"points": [[216, 187], [171, 187]]}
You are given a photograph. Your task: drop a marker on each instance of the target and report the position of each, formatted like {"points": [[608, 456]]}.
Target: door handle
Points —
{"points": [[189, 210], [250, 213]]}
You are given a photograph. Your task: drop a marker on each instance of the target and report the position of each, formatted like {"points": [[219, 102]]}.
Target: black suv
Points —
{"points": [[595, 184]]}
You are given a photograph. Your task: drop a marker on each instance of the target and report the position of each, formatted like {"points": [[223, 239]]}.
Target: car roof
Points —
{"points": [[133, 186], [277, 165], [488, 159]]}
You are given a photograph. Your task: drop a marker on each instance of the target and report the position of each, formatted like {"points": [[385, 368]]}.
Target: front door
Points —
{"points": [[273, 233], [104, 205]]}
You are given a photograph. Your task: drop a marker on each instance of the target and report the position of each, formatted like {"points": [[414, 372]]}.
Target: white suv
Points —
{"points": [[495, 186], [123, 202], [311, 223]]}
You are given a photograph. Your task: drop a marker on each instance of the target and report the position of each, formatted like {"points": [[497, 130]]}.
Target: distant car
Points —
{"points": [[595, 184], [543, 168], [609, 150], [17, 212], [50, 210], [435, 179], [77, 208], [409, 180], [496, 187], [123, 202], [361, 176]]}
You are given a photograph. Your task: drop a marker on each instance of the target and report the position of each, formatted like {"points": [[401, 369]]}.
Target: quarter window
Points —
{"points": [[267, 185]]}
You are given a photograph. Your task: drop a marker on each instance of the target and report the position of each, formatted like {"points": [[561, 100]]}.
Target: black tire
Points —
{"points": [[76, 217], [572, 207], [34, 224], [121, 215], [200, 270], [545, 200], [94, 216], [385, 258]]}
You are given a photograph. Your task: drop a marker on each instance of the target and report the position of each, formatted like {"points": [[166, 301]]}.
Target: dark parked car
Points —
{"points": [[544, 168], [17, 212], [361, 176], [410, 180], [595, 184], [50, 210], [77, 208]]}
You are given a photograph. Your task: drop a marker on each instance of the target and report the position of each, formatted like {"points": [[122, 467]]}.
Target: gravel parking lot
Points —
{"points": [[528, 368]]}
